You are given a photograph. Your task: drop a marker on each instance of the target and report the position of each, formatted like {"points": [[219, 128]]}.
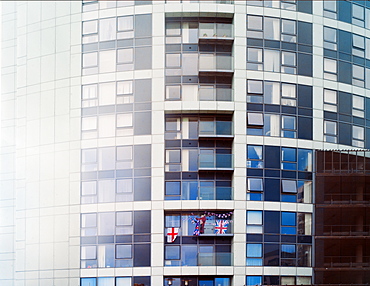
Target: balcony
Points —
{"points": [[208, 193], [216, 33], [215, 93], [212, 129], [215, 259], [215, 65], [211, 161]]}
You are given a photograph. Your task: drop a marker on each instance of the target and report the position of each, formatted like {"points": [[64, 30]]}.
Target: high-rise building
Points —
{"points": [[199, 143]]}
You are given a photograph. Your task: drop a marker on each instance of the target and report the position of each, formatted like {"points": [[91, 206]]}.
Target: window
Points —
{"points": [[254, 280], [255, 26], [358, 73], [124, 92], [255, 189], [271, 28], [330, 69], [90, 32], [90, 60], [89, 160], [358, 15], [255, 123], [125, 56], [272, 60], [288, 94], [271, 125], [255, 91], [330, 9], [330, 100], [289, 186], [358, 106], [288, 223], [173, 160], [288, 31], [254, 58], [358, 135], [289, 159], [107, 29], [254, 156], [272, 92], [125, 27], [254, 254], [330, 131], [330, 38], [288, 126], [124, 120], [358, 48], [254, 221], [288, 62]]}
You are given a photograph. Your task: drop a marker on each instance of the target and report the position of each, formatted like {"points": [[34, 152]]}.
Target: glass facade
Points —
{"points": [[183, 143]]}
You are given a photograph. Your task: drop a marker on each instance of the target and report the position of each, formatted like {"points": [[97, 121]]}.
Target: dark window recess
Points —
{"points": [[367, 146], [344, 41], [304, 64], [344, 11], [273, 158], [141, 255], [142, 222], [143, 25], [345, 134], [271, 254], [272, 221], [304, 31], [305, 128], [304, 96], [344, 72], [345, 102], [305, 7], [272, 190]]}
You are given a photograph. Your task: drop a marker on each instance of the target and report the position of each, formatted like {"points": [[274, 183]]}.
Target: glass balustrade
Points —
{"points": [[215, 30], [212, 93], [215, 128], [207, 193], [215, 259], [215, 161], [211, 62]]}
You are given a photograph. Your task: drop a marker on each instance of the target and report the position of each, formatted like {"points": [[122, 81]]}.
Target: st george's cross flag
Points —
{"points": [[221, 226], [172, 233]]}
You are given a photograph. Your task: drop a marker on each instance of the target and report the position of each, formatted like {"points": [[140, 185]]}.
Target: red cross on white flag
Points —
{"points": [[172, 233]]}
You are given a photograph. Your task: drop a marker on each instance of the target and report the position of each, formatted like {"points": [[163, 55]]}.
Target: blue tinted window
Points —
{"points": [[88, 281], [254, 250], [254, 280], [172, 252], [172, 188], [254, 152], [304, 160], [222, 281], [206, 283], [288, 218], [288, 251], [289, 154], [105, 281]]}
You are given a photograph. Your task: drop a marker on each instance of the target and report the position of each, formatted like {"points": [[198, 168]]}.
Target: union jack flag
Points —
{"points": [[196, 229], [221, 226]]}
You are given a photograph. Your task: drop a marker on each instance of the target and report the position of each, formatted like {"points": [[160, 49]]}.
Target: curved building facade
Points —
{"points": [[175, 143]]}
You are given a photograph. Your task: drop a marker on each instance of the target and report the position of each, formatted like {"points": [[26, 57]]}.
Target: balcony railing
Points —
{"points": [[208, 193], [215, 128], [212, 93], [215, 161], [215, 32], [215, 259], [215, 64]]}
